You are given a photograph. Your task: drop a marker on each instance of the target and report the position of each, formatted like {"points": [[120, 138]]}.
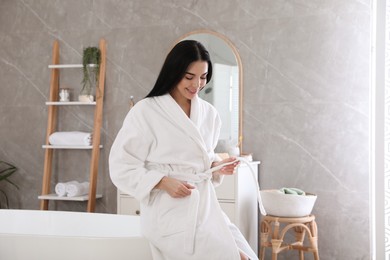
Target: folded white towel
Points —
{"points": [[60, 187], [77, 189], [70, 138]]}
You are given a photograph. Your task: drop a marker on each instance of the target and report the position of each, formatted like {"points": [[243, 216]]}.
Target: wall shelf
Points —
{"points": [[54, 196], [48, 146], [53, 106], [69, 66], [69, 103]]}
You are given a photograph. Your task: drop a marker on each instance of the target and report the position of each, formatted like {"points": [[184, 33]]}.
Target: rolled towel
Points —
{"points": [[70, 138], [60, 187], [294, 191], [77, 189]]}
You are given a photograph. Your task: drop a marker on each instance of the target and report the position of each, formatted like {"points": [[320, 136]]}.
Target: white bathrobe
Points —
{"points": [[158, 139]]}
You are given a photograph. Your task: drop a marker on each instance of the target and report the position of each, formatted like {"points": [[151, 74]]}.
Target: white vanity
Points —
{"points": [[237, 196]]}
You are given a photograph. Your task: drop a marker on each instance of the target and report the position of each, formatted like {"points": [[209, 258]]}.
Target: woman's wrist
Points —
{"points": [[160, 184]]}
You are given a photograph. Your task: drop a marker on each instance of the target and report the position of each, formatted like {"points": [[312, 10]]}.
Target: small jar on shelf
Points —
{"points": [[64, 95]]}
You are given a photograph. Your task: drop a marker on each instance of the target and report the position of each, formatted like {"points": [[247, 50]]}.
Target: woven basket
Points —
{"points": [[279, 204]]}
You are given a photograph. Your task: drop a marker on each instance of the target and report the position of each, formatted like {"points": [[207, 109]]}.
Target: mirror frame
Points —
{"points": [[240, 73]]}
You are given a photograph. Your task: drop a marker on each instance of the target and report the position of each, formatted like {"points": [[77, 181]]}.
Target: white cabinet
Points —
{"points": [[127, 205], [237, 196]]}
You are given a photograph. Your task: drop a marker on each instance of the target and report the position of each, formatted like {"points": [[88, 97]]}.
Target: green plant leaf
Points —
{"points": [[14, 184], [7, 172], [6, 199], [91, 55]]}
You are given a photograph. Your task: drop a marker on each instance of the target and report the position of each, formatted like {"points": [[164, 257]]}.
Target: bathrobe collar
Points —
{"points": [[190, 125]]}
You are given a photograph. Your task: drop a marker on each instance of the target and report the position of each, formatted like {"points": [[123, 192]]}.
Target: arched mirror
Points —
{"points": [[224, 90]]}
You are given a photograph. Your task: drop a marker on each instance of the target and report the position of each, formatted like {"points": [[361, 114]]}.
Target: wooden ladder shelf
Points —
{"points": [[53, 105]]}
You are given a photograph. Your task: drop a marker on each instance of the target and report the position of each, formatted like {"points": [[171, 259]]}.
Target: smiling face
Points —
{"points": [[192, 82]]}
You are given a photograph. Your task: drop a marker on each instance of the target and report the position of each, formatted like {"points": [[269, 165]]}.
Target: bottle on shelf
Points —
{"points": [[132, 103]]}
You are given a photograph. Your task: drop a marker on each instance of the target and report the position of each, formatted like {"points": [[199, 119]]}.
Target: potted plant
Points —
{"points": [[6, 170], [91, 55]]}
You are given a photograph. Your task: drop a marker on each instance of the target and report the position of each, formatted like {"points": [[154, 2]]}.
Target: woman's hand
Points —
{"points": [[174, 187], [228, 169]]}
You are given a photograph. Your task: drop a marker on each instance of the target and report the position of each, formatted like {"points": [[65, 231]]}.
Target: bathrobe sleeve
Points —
{"points": [[127, 158]]}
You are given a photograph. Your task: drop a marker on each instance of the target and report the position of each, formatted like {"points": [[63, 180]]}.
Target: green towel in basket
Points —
{"points": [[294, 191]]}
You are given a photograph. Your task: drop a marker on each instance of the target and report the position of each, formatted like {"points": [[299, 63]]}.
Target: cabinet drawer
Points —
{"points": [[128, 206], [226, 190], [230, 209]]}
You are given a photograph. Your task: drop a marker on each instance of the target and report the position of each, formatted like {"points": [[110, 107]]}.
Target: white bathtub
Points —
{"points": [[59, 235]]}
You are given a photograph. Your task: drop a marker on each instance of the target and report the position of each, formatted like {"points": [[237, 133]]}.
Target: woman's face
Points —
{"points": [[192, 82]]}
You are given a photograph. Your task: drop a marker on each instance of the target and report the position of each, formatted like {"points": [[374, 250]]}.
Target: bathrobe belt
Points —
{"points": [[193, 207]]}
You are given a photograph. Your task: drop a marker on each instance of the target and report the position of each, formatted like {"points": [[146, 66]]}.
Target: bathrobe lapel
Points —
{"points": [[189, 126]]}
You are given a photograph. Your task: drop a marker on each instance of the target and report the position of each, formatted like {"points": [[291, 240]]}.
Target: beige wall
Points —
{"points": [[306, 93]]}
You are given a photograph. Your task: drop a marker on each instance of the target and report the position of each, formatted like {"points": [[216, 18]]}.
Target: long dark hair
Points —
{"points": [[176, 65]]}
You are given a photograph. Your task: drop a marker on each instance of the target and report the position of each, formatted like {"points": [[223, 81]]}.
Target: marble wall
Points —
{"points": [[306, 93]]}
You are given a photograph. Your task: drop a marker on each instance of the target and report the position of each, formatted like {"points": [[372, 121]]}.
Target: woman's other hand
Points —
{"points": [[174, 187], [228, 169]]}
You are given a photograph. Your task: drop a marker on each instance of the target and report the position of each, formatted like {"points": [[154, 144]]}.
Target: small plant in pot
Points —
{"points": [[91, 55], [6, 170]]}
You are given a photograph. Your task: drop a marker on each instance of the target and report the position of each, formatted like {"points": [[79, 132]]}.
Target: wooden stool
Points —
{"points": [[272, 237]]}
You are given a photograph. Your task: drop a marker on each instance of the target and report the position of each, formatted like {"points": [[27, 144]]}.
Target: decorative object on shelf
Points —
{"points": [[131, 103], [91, 56], [71, 138], [72, 188], [60, 188], [282, 204], [6, 170], [77, 189], [64, 95]]}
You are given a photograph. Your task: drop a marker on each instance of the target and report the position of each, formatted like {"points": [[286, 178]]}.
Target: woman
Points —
{"points": [[162, 156]]}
